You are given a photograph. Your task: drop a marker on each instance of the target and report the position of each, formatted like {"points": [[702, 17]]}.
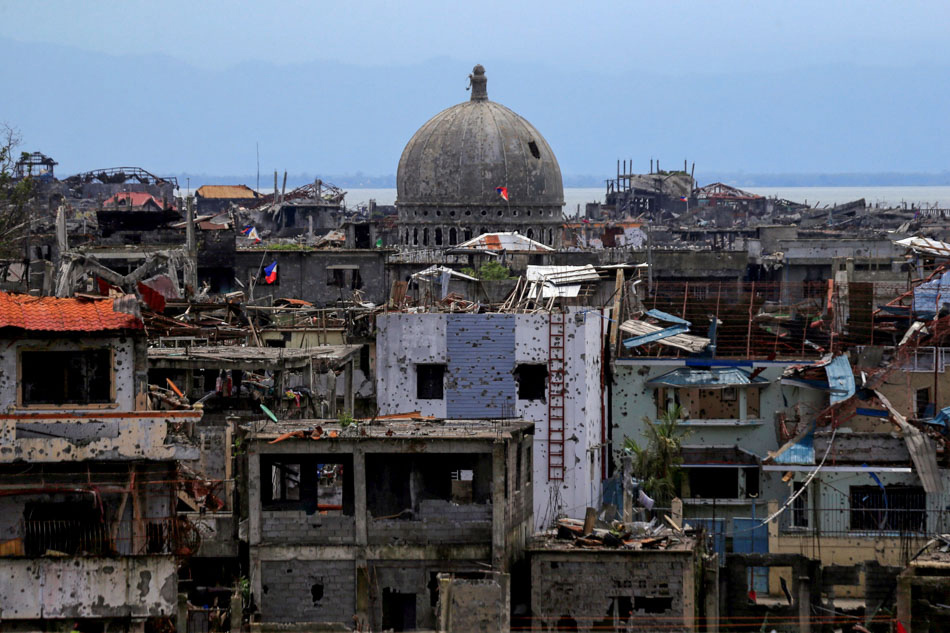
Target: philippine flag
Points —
{"points": [[250, 232], [684, 199], [503, 192], [270, 273]]}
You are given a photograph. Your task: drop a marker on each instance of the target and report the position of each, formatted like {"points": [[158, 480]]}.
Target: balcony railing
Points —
{"points": [[76, 537]]}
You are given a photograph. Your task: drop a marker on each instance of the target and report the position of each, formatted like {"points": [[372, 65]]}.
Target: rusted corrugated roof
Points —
{"points": [[133, 199], [228, 192], [51, 314]]}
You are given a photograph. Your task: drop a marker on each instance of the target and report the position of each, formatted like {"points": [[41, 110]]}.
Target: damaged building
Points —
{"points": [[90, 534], [351, 526], [544, 367]]}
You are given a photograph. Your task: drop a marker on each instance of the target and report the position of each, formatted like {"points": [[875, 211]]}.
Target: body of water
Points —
{"points": [[576, 198]]}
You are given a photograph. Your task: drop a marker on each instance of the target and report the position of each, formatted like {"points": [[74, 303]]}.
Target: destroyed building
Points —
{"points": [[90, 534], [543, 367], [475, 168], [350, 526]]}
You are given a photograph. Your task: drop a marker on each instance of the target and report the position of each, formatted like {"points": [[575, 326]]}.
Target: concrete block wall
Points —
{"points": [[586, 586], [287, 526], [308, 591], [438, 522]]}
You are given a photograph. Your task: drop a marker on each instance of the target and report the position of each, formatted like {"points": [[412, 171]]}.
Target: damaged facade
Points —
{"points": [[352, 527], [90, 531]]}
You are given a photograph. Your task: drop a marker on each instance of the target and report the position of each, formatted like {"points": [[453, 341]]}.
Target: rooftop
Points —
{"points": [[407, 426], [226, 192], [239, 357], [81, 314]]}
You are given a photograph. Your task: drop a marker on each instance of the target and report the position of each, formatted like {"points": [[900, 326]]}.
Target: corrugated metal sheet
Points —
{"points": [[509, 241], [481, 359], [707, 378], [686, 342], [926, 245]]}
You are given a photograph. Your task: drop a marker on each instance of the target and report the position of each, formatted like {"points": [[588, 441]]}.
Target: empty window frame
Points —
{"points": [[713, 483], [532, 381], [799, 515], [80, 377], [430, 381], [312, 483]]}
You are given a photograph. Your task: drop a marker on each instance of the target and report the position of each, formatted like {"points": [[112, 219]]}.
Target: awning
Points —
{"points": [[708, 378]]}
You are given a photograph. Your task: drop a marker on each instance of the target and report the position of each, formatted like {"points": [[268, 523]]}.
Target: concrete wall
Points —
{"points": [[359, 560], [593, 588], [88, 587], [308, 591], [123, 350], [480, 383], [305, 274], [475, 605]]}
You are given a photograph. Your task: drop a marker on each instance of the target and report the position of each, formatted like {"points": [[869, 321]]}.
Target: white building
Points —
{"points": [[491, 366]]}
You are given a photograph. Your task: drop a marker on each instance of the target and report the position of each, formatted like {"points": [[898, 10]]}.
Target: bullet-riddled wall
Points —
{"points": [[489, 366]]}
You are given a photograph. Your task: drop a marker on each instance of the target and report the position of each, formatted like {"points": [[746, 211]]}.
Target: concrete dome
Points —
{"points": [[462, 154]]}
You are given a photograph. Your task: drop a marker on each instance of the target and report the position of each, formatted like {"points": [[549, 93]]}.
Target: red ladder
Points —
{"points": [[556, 396]]}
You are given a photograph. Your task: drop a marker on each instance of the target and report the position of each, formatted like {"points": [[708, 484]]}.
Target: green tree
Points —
{"points": [[656, 464], [14, 196], [491, 271]]}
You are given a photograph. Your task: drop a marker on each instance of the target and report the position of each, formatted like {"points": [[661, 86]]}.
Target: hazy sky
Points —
{"points": [[763, 86], [668, 35]]}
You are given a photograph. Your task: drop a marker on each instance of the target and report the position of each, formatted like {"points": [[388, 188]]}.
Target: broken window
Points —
{"points": [[532, 381], [651, 604], [357, 282], [438, 237], [462, 485], [429, 382], [892, 508], [336, 277], [800, 506], [312, 483], [453, 236], [713, 483], [75, 377], [924, 404]]}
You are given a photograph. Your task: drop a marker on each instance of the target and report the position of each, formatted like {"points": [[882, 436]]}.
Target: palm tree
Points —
{"points": [[657, 463]]}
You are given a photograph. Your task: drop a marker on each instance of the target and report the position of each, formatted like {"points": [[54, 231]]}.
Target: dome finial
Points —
{"points": [[479, 83]]}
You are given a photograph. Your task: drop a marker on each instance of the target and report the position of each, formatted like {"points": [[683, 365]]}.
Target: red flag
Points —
{"points": [[752, 595], [900, 627], [503, 192]]}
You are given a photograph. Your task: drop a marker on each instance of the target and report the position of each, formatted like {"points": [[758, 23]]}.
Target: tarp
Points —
{"points": [[840, 379], [800, 452], [931, 295], [647, 333]]}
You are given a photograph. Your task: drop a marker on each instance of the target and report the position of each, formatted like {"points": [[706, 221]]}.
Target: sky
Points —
{"points": [[669, 62]]}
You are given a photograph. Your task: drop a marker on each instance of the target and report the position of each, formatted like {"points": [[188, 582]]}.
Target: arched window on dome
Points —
{"points": [[453, 236], [550, 237], [438, 237], [530, 234], [468, 234], [415, 237], [425, 237]]}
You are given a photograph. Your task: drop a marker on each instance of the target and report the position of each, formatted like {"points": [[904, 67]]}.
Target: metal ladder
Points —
{"points": [[556, 396]]}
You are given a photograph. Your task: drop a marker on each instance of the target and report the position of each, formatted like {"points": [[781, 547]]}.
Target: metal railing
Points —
{"points": [[78, 537]]}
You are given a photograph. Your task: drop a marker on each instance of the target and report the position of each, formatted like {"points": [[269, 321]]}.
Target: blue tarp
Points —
{"points": [[801, 452], [840, 379], [930, 295], [707, 377]]}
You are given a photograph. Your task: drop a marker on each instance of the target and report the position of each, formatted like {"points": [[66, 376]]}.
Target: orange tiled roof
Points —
{"points": [[50, 314], [227, 192]]}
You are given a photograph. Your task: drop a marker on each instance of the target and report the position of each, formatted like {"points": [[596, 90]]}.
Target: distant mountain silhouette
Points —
{"points": [[91, 110]]}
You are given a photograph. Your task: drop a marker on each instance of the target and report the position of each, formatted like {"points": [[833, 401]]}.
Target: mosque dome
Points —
{"points": [[453, 165]]}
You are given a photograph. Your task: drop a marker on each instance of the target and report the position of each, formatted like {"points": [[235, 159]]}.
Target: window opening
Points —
{"points": [[74, 377], [429, 382]]}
